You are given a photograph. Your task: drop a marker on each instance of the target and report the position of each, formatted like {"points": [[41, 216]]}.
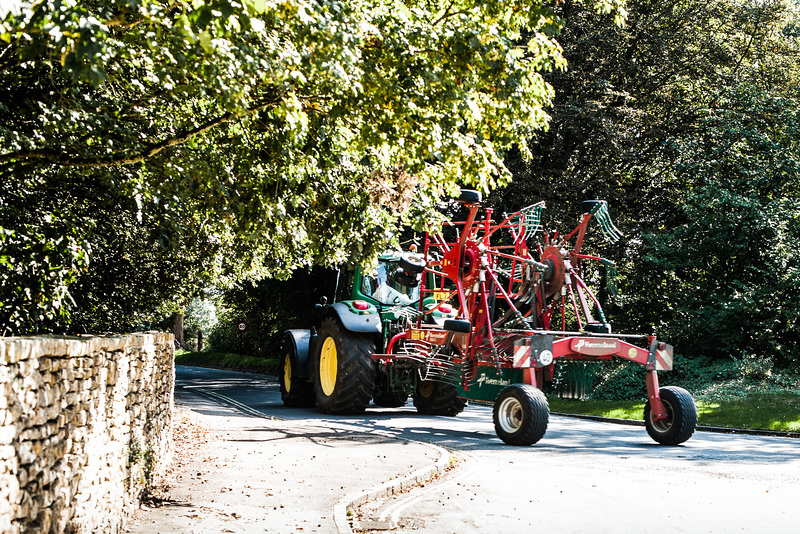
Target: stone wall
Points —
{"points": [[85, 427]]}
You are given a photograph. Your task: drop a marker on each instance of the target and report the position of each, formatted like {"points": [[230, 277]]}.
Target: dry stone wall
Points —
{"points": [[85, 427]]}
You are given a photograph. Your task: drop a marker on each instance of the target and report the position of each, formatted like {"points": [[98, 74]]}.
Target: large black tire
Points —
{"points": [[437, 398], [389, 400], [682, 417], [520, 414], [345, 374], [412, 264], [470, 196], [296, 392]]}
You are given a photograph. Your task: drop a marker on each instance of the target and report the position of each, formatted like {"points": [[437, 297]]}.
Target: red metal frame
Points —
{"points": [[510, 291]]}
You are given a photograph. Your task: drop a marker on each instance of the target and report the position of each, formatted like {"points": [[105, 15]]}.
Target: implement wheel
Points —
{"points": [[437, 398], [295, 390], [520, 414], [390, 400], [345, 377], [681, 418]]}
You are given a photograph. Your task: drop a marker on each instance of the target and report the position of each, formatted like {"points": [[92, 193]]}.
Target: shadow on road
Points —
{"points": [[473, 430]]}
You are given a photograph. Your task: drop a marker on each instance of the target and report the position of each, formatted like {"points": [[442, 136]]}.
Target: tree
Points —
{"points": [[732, 262], [270, 307], [200, 319], [252, 137], [630, 91], [630, 116]]}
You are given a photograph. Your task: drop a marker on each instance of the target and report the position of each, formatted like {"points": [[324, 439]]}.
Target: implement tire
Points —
{"points": [[681, 420], [520, 414], [345, 377], [437, 398], [390, 400]]}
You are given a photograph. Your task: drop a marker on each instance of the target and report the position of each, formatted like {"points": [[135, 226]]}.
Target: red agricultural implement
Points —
{"points": [[483, 314]]}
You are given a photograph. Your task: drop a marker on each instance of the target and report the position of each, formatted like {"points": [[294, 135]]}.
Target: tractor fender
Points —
{"points": [[302, 341], [367, 323]]}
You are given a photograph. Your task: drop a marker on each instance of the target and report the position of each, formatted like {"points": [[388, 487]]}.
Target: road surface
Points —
{"points": [[583, 476]]}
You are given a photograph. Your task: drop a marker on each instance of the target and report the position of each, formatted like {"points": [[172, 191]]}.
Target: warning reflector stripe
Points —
{"points": [[522, 356]]}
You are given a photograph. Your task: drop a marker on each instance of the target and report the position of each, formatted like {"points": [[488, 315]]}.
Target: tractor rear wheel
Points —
{"points": [[345, 377], [520, 414], [295, 390], [438, 398], [681, 418]]}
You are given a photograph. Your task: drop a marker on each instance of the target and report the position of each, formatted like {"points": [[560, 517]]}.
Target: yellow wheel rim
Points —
{"points": [[287, 373], [328, 364]]}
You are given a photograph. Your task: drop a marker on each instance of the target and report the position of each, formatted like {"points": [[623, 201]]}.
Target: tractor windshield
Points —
{"points": [[384, 286]]}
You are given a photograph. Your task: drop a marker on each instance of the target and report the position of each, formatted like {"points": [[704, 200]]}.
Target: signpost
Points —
{"points": [[242, 327]]}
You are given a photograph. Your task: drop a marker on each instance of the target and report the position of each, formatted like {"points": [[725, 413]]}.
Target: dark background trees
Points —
{"points": [[684, 121], [731, 262]]}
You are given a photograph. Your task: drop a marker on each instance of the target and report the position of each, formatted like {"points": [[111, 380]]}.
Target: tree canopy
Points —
{"points": [[730, 267], [148, 148], [684, 120]]}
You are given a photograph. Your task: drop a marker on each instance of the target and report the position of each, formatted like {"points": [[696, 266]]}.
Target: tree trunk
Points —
{"points": [[177, 328]]}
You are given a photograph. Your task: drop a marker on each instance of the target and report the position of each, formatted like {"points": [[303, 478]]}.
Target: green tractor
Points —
{"points": [[336, 366]]}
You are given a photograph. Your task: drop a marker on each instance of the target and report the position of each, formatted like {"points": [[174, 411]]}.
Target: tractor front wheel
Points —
{"points": [[681, 418], [345, 377], [438, 398], [295, 390], [520, 414]]}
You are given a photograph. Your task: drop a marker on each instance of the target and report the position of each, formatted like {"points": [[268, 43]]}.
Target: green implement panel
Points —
{"points": [[488, 382]]}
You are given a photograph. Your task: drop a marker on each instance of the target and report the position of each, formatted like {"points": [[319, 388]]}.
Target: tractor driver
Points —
{"points": [[389, 290]]}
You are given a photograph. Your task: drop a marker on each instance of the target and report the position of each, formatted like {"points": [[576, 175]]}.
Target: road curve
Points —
{"points": [[583, 476]]}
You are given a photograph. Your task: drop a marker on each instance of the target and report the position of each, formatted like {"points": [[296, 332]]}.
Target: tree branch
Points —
{"points": [[59, 158]]}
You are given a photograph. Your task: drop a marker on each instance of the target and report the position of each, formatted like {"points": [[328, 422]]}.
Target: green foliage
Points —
{"points": [[732, 264], [115, 263], [268, 308], [620, 381], [230, 362], [685, 121], [707, 378], [40, 255], [200, 316], [146, 459], [204, 142]]}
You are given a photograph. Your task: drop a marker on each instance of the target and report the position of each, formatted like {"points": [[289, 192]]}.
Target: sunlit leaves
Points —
{"points": [[243, 135]]}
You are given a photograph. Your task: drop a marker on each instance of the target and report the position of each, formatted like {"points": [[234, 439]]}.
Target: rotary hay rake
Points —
{"points": [[516, 289]]}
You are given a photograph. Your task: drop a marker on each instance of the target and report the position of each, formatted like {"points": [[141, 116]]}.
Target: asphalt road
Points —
{"points": [[583, 476]]}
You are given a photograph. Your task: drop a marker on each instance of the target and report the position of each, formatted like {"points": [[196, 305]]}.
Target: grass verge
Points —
{"points": [[773, 410], [229, 362]]}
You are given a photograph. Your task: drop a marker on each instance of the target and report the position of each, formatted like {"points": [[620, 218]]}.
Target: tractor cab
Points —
{"points": [[392, 283]]}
